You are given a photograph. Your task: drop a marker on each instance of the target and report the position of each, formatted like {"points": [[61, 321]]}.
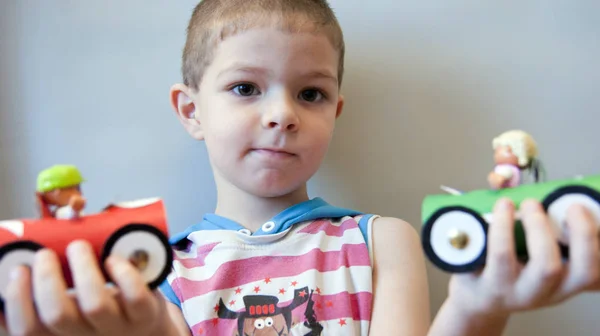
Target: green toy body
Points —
{"points": [[454, 233]]}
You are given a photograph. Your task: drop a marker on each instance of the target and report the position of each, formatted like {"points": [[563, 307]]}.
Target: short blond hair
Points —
{"points": [[521, 143], [214, 20]]}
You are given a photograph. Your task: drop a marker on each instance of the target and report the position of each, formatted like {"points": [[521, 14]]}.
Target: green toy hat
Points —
{"points": [[58, 177]]}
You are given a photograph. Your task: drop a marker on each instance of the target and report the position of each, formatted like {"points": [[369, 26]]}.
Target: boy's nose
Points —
{"points": [[281, 116]]}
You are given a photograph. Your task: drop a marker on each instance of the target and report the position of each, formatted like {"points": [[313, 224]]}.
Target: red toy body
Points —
{"points": [[134, 230]]}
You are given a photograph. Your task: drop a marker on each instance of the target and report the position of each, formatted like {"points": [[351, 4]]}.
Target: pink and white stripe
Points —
{"points": [[330, 258]]}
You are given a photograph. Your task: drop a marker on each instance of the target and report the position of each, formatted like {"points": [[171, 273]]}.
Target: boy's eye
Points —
{"points": [[245, 89], [310, 95]]}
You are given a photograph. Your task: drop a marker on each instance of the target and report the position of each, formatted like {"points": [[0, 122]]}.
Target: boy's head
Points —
{"points": [[262, 90], [213, 21]]}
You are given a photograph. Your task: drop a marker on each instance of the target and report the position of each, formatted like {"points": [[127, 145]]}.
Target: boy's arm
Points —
{"points": [[178, 326], [452, 321], [400, 289], [401, 296]]}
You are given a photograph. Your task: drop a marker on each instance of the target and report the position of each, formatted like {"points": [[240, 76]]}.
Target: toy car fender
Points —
{"points": [[135, 230]]}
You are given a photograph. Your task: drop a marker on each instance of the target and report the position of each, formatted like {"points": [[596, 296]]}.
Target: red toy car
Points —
{"points": [[135, 230]]}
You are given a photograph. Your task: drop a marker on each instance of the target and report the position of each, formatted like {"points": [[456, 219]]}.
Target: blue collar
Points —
{"points": [[308, 210]]}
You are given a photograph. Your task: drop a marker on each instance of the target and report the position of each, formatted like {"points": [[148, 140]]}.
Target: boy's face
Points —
{"points": [[266, 108]]}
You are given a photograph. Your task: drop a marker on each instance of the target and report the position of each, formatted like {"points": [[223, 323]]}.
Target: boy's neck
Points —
{"points": [[252, 211]]}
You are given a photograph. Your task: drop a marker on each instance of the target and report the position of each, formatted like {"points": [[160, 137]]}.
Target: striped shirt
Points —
{"points": [[307, 271]]}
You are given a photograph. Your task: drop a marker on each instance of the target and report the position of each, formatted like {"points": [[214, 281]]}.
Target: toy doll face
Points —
{"points": [[266, 326], [267, 106], [61, 197], [504, 155]]}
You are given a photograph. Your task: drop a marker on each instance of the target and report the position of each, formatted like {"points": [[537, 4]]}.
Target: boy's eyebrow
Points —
{"points": [[243, 67], [324, 74]]}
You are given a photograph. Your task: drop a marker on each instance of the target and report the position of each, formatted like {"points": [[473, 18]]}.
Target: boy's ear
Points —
{"points": [[185, 109], [340, 106]]}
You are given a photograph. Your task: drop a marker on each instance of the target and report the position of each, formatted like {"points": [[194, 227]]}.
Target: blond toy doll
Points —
{"points": [[514, 152]]}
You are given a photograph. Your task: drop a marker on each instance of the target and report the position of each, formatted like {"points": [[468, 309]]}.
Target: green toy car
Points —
{"points": [[454, 232]]}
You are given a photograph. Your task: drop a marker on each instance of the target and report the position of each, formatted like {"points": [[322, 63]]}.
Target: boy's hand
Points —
{"points": [[506, 286], [37, 302]]}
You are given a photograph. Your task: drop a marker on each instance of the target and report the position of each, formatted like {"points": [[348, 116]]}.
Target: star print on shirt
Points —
{"points": [[238, 290], [267, 280], [256, 289], [282, 291], [342, 322]]}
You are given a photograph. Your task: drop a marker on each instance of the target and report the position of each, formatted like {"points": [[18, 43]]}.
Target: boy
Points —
{"points": [[261, 88]]}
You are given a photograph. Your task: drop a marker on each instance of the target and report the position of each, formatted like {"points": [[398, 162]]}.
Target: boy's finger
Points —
{"points": [[96, 303], [57, 311], [544, 270], [137, 300], [501, 259], [21, 317], [584, 261]]}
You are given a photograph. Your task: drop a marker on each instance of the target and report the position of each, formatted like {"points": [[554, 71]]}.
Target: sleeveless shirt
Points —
{"points": [[307, 271]]}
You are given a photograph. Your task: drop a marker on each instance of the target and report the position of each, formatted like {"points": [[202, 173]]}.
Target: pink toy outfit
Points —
{"points": [[511, 172]]}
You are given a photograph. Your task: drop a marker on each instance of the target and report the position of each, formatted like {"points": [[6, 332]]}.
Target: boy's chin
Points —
{"points": [[269, 190]]}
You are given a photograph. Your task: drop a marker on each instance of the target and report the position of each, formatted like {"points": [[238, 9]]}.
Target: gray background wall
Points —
{"points": [[428, 85]]}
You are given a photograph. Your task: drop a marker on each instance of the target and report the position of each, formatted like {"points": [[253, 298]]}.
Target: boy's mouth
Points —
{"points": [[273, 152]]}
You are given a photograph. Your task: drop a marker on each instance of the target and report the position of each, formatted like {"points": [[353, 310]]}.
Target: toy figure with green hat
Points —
{"points": [[59, 192]]}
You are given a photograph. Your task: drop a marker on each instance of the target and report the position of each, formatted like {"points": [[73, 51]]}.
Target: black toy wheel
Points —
{"points": [[11, 255], [557, 203], [455, 239], [145, 247]]}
